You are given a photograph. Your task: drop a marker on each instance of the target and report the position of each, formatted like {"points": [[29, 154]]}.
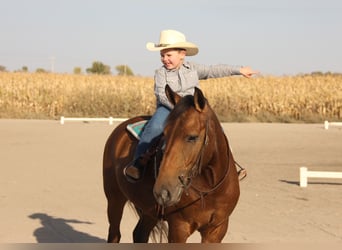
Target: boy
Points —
{"points": [[182, 77]]}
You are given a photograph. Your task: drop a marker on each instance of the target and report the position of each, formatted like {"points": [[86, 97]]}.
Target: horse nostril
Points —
{"points": [[163, 197]]}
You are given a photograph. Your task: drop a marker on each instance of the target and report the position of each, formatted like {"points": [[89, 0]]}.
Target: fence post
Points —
{"points": [[303, 177]]}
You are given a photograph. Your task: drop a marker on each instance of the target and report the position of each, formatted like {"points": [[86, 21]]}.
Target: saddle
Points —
{"points": [[136, 128]]}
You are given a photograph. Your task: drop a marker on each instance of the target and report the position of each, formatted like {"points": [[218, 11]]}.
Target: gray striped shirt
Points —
{"points": [[184, 80]]}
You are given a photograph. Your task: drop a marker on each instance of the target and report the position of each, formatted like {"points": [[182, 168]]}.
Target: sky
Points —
{"points": [[275, 37]]}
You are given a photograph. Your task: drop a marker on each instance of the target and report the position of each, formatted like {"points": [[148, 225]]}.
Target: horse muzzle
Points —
{"points": [[167, 196]]}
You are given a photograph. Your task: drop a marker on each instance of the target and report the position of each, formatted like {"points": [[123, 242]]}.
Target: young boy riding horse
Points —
{"points": [[182, 77]]}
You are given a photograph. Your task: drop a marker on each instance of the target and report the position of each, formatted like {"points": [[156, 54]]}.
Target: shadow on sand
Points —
{"points": [[58, 230]]}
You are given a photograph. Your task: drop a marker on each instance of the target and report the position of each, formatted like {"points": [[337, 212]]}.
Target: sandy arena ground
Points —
{"points": [[51, 183]]}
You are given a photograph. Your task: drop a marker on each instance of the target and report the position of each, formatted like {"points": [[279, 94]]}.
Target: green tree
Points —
{"points": [[41, 70], [77, 70], [124, 70], [23, 69], [99, 68]]}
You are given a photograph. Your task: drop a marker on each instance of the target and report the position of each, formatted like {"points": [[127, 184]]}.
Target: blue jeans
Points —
{"points": [[153, 128]]}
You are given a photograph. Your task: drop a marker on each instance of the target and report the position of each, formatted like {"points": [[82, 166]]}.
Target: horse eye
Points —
{"points": [[192, 138]]}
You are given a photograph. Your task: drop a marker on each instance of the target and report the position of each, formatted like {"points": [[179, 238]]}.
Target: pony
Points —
{"points": [[190, 185]]}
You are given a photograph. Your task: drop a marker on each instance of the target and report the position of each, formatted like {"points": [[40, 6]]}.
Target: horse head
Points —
{"points": [[186, 138]]}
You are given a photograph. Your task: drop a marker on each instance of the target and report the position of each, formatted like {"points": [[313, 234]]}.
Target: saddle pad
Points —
{"points": [[136, 128]]}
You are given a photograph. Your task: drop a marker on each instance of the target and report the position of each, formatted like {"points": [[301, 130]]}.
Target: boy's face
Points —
{"points": [[172, 58]]}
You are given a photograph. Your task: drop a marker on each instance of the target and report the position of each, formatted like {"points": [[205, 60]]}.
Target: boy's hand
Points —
{"points": [[248, 72]]}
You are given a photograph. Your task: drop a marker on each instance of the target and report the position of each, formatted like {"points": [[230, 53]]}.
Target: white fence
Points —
{"points": [[305, 174], [327, 124], [110, 120]]}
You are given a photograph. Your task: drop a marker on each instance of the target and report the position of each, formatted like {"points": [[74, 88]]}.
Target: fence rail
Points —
{"points": [[110, 120], [327, 124], [305, 174]]}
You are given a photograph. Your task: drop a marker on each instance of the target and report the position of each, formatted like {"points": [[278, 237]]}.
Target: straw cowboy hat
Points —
{"points": [[173, 39]]}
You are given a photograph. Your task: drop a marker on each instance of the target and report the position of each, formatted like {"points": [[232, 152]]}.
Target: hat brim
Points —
{"points": [[191, 48]]}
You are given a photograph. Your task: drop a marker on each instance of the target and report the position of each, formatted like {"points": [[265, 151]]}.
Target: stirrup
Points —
{"points": [[140, 164], [130, 178]]}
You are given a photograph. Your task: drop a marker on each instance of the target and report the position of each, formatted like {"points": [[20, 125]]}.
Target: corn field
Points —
{"points": [[310, 98]]}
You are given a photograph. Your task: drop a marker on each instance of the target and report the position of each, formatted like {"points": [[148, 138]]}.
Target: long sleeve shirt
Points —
{"points": [[184, 80]]}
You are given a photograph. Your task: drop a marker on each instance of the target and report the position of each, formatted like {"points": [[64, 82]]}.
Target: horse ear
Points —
{"points": [[173, 97], [199, 100]]}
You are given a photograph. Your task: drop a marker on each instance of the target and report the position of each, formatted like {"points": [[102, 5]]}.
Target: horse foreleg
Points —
{"points": [[214, 234], [114, 212], [143, 229], [179, 232]]}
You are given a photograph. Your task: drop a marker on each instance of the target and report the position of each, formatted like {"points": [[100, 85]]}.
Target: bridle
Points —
{"points": [[197, 166], [187, 184]]}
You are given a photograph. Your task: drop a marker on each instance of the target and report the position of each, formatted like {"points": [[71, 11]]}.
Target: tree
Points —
{"points": [[2, 68], [41, 70], [124, 70], [99, 68], [23, 69], [77, 70]]}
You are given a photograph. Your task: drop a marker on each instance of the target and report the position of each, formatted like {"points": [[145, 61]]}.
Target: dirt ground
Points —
{"points": [[51, 183]]}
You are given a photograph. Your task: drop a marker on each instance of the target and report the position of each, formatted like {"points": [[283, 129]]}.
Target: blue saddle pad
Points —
{"points": [[137, 128]]}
